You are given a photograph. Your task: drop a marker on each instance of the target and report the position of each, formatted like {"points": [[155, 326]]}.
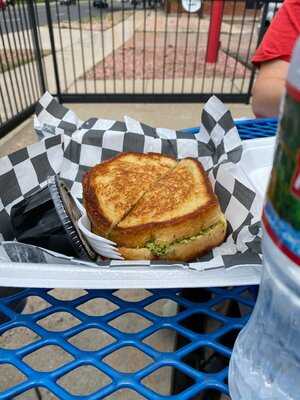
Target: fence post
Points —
{"points": [[213, 41], [53, 50], [36, 43]]}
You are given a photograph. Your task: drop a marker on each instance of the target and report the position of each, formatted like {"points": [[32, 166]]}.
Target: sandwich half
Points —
{"points": [[177, 219], [112, 188]]}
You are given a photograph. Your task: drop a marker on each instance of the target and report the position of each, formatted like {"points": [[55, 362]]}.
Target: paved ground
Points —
{"points": [[58, 12]]}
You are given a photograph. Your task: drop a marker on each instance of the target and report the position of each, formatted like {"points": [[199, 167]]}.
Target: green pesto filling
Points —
{"points": [[159, 249]]}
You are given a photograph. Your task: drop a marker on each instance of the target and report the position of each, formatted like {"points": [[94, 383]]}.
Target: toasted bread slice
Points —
{"points": [[184, 250], [112, 188], [179, 206]]}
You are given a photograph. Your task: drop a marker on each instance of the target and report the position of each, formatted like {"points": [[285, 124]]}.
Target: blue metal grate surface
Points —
{"points": [[264, 127], [206, 326], [251, 128], [213, 341]]}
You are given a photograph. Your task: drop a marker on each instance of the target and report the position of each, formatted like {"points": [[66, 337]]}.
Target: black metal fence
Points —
{"points": [[127, 50]]}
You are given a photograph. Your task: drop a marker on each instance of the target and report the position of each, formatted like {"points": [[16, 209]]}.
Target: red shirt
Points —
{"points": [[282, 34]]}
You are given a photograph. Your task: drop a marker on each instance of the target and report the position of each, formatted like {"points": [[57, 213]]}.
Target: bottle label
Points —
{"points": [[281, 215], [295, 187]]}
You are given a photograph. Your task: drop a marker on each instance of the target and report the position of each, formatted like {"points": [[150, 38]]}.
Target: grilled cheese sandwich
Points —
{"points": [[158, 209]]}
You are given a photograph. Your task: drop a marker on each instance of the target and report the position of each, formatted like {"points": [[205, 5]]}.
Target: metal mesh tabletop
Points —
{"points": [[140, 344], [251, 128], [60, 323]]}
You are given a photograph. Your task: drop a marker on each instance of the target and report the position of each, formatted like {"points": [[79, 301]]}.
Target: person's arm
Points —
{"points": [[269, 88], [273, 56]]}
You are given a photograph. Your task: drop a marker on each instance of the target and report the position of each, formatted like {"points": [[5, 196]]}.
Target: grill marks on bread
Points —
{"points": [[180, 191], [112, 188]]}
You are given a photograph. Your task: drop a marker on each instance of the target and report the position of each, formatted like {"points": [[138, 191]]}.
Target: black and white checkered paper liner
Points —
{"points": [[70, 147]]}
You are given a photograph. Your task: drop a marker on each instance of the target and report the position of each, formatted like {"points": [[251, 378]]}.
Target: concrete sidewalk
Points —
{"points": [[157, 86]]}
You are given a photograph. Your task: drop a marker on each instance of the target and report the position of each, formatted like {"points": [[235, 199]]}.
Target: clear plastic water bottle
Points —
{"points": [[265, 364]]}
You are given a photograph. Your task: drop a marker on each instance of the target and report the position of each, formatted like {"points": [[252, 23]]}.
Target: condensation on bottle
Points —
{"points": [[265, 364]]}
